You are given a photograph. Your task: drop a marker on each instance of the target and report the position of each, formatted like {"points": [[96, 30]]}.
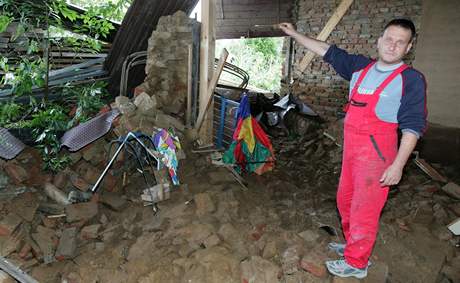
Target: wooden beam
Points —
{"points": [[188, 113], [207, 51], [211, 87], [328, 28]]}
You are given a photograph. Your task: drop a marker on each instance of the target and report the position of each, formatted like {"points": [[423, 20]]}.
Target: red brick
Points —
{"points": [[16, 172]]}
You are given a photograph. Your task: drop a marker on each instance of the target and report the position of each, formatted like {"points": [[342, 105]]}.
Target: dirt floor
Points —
{"points": [[213, 230]]}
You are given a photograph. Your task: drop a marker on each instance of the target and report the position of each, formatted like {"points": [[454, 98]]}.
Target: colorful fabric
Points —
{"points": [[251, 149], [167, 144]]}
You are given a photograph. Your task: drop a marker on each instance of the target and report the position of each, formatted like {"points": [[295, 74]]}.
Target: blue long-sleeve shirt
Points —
{"points": [[403, 101]]}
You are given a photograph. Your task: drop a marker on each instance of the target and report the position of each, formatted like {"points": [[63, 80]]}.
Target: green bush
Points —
{"points": [[260, 57]]}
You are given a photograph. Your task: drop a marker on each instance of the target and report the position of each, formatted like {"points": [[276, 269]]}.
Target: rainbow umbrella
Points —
{"points": [[251, 149]]}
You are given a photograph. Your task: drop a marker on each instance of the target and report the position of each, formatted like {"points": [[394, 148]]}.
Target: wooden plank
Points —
{"points": [[250, 22], [188, 113], [255, 14], [211, 87], [207, 50], [71, 54], [254, 7], [328, 28]]}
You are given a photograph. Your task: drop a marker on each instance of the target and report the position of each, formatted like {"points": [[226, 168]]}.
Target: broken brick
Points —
{"points": [[452, 190], [113, 200], [9, 223], [81, 211], [61, 179], [67, 244], [90, 232], [45, 239], [79, 183], [25, 251], [17, 173], [314, 264]]}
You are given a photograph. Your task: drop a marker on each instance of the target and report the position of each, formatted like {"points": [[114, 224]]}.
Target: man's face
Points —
{"points": [[394, 44]]}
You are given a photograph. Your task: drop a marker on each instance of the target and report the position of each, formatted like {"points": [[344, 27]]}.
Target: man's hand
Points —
{"points": [[287, 28], [391, 176]]}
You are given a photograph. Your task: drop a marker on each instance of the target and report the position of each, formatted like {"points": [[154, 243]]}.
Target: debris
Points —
{"points": [[452, 190], [156, 193], [204, 204], [44, 237], [257, 269], [51, 208], [81, 211], [290, 260], [79, 196], [211, 241], [90, 232], [125, 105], [16, 172], [4, 180], [327, 135], [237, 177], [15, 271], [454, 227], [9, 224], [430, 171], [67, 244], [113, 200], [79, 183], [145, 103], [313, 263], [55, 194]]}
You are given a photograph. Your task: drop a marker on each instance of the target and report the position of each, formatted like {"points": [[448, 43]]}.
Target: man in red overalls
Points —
{"points": [[384, 94]]}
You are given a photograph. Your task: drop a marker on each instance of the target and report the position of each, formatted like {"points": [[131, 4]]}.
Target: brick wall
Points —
{"points": [[357, 32]]}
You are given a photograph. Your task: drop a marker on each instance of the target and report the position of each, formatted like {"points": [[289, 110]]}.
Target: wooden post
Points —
{"points": [[207, 50], [328, 28], [211, 88], [188, 114]]}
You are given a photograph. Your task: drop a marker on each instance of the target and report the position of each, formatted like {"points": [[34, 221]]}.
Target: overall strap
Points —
{"points": [[388, 80], [361, 78]]}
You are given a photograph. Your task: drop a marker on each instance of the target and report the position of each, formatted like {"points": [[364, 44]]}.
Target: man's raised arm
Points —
{"points": [[318, 47]]}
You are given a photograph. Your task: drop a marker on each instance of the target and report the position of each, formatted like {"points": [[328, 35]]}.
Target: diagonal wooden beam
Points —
{"points": [[328, 28]]}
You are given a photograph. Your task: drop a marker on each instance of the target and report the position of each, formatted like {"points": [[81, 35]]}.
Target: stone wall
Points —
{"points": [[167, 63], [357, 32]]}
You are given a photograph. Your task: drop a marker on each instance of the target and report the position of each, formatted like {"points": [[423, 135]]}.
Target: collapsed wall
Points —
{"points": [[167, 62]]}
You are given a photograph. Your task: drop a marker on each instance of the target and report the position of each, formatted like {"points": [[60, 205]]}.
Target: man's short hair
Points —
{"points": [[404, 23]]}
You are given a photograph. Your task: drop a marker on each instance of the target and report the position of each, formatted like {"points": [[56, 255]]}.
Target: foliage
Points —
{"points": [[10, 112], [24, 77], [89, 101], [46, 124], [48, 120], [260, 57]]}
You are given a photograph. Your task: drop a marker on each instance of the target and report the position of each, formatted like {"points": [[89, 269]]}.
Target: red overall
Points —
{"points": [[370, 146]]}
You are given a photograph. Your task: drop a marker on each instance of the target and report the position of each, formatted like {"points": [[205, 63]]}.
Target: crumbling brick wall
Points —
{"points": [[357, 32], [167, 62]]}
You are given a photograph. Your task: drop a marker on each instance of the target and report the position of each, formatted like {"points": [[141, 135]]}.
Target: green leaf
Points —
{"points": [[20, 29], [4, 22]]}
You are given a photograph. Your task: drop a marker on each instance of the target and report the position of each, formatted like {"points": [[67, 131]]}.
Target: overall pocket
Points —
{"points": [[377, 149]]}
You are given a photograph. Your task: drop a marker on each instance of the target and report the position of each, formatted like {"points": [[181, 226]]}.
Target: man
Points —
{"points": [[384, 94]]}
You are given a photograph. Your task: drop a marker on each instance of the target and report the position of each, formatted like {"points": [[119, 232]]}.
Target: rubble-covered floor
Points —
{"points": [[211, 230]]}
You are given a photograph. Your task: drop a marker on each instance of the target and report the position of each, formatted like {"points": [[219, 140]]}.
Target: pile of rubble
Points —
{"points": [[273, 229]]}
